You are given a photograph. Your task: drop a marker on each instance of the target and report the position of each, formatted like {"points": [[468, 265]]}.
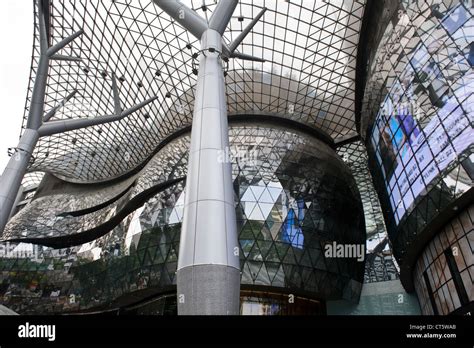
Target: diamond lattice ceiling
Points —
{"points": [[310, 49]]}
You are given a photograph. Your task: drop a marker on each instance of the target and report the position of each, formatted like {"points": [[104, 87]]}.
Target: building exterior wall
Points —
{"points": [[444, 273], [419, 95], [293, 195], [106, 246]]}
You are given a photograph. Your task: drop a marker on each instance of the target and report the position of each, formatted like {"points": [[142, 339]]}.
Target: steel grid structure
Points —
{"points": [[310, 50]]}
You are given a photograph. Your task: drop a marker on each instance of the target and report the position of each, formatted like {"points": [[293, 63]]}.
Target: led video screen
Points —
{"points": [[425, 121]]}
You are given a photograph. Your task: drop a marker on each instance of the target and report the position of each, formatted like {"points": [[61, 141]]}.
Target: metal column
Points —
{"points": [[208, 266], [208, 277], [12, 176]]}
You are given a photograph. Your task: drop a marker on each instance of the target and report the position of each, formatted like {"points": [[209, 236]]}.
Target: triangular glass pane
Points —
{"points": [[266, 197], [263, 277], [266, 208], [257, 191]]}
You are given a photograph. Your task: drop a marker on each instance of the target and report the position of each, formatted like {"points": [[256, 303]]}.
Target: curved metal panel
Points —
{"points": [[293, 195]]}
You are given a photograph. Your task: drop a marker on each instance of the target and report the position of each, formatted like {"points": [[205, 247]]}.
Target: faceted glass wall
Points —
{"points": [[293, 195], [380, 264]]}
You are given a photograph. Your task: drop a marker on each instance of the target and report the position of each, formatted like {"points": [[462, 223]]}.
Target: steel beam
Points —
{"points": [[247, 57], [35, 114], [185, 16], [233, 46], [222, 15], [196, 25], [61, 126], [66, 58], [117, 106], [63, 43], [53, 111]]}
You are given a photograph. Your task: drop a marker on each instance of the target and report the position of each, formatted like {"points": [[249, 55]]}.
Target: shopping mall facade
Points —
{"points": [[320, 162]]}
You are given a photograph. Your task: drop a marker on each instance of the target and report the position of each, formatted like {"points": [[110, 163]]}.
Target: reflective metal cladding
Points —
{"points": [[293, 195]]}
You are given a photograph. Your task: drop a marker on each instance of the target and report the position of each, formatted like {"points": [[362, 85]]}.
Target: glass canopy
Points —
{"points": [[310, 48]]}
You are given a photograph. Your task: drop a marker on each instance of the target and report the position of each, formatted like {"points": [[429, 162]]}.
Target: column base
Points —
{"points": [[208, 290]]}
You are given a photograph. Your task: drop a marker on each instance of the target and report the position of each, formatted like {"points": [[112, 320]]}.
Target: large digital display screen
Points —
{"points": [[425, 121]]}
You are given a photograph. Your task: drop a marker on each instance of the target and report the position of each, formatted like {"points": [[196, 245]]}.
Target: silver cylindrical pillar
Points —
{"points": [[208, 277]]}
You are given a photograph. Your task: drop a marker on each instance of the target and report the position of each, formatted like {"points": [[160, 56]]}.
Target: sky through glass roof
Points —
{"points": [[310, 48]]}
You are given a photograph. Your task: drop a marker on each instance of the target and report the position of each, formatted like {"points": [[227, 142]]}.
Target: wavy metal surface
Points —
{"points": [[46, 220], [293, 194]]}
